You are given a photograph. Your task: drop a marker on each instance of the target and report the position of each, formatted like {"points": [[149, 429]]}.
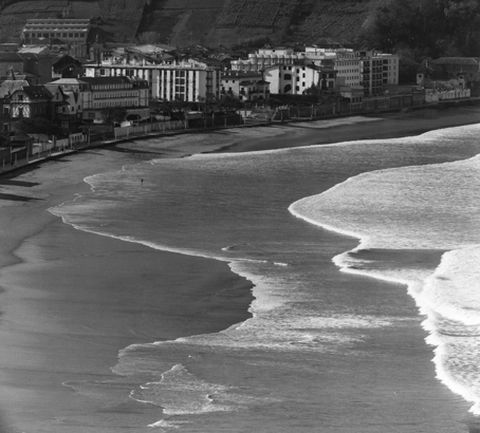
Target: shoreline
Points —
{"points": [[38, 223], [392, 125]]}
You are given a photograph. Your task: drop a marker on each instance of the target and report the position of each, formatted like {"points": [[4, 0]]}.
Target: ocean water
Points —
{"points": [[324, 350]]}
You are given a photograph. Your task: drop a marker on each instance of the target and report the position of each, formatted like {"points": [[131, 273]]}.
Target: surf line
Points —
{"points": [[413, 289]]}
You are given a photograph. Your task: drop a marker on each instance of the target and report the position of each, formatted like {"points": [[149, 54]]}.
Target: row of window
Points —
{"points": [[52, 35], [123, 103]]}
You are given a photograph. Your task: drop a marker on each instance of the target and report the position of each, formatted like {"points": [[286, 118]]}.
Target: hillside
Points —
{"points": [[119, 18], [207, 22]]}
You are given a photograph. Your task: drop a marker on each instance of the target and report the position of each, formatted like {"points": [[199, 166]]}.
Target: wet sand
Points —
{"points": [[72, 300]]}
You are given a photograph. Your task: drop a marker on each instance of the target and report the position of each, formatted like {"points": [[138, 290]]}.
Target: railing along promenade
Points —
{"points": [[19, 157]]}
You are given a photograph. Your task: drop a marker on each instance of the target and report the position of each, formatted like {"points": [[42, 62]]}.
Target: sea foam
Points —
{"points": [[426, 207]]}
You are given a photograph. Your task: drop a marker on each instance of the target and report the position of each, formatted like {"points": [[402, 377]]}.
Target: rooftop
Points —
{"points": [[456, 60], [37, 92]]}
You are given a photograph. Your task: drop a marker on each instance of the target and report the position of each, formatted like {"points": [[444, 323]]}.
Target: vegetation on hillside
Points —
{"points": [[416, 29]]}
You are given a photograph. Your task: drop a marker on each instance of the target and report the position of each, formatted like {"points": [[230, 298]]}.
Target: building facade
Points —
{"points": [[378, 71], [245, 86], [94, 97], [345, 62], [372, 69], [188, 80], [265, 58], [30, 102], [296, 79], [73, 33]]}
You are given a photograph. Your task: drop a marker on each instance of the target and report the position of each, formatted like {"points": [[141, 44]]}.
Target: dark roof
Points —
{"points": [[456, 61], [299, 64], [37, 92], [106, 80], [249, 82], [241, 74], [10, 57], [114, 80], [65, 61]]}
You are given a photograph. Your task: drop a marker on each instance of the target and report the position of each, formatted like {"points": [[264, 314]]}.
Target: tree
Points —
{"points": [[416, 29]]}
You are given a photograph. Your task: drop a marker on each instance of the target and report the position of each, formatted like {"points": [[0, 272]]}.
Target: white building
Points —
{"points": [[370, 69], [246, 86], [93, 96], [296, 79], [343, 60], [266, 57], [187, 80]]}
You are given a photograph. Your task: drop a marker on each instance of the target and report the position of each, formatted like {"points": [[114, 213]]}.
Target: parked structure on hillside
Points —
{"points": [[72, 33]]}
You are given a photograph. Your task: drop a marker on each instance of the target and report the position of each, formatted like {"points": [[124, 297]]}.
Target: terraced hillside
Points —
{"points": [[207, 22], [119, 18]]}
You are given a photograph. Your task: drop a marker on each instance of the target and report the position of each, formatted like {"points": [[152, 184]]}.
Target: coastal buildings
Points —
{"points": [[29, 102], [186, 80], [265, 58], [94, 98], [246, 86], [371, 69], [297, 78], [378, 71], [345, 62], [455, 67]]}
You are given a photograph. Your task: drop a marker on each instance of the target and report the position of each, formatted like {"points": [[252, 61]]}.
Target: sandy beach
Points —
{"points": [[71, 300]]}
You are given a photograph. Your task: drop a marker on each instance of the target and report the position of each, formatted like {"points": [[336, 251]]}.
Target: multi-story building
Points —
{"points": [[187, 80], [296, 79], [246, 86], [94, 97], [344, 61], [265, 58], [378, 71], [73, 33], [372, 70], [72, 92]]}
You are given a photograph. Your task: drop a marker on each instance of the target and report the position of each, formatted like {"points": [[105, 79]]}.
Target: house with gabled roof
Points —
{"points": [[30, 102]]}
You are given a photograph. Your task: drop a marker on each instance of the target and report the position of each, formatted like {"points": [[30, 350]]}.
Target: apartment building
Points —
{"points": [[296, 79], [187, 80], [92, 97], [344, 61], [370, 69], [265, 58], [378, 71]]}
